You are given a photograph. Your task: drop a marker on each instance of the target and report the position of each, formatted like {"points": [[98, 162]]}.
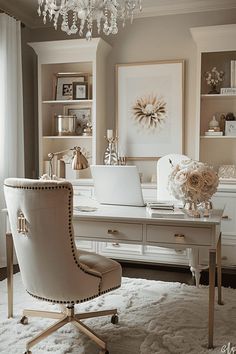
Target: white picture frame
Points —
{"points": [[149, 112], [230, 128]]}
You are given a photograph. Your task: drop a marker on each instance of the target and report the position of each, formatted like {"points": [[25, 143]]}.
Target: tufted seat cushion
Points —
{"points": [[109, 270]]}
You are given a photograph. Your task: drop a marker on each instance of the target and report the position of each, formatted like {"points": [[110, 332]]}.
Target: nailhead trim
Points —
{"points": [[76, 301], [71, 235]]}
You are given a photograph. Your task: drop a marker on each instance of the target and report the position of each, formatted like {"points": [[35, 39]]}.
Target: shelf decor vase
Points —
{"points": [[213, 90], [192, 209], [213, 79], [207, 206], [110, 155]]}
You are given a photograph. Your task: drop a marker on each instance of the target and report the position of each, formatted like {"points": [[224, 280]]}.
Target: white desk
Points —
{"points": [[133, 225]]}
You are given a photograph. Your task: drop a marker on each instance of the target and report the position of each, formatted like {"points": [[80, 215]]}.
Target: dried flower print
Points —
{"points": [[150, 112]]}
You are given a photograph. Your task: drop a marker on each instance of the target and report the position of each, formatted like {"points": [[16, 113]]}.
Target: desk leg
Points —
{"points": [[9, 251], [212, 268], [219, 274]]}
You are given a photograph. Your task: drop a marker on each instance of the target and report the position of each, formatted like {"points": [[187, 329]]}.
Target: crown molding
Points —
{"points": [[26, 10], [172, 7]]}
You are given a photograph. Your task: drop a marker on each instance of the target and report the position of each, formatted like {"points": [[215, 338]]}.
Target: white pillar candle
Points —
{"points": [[109, 133]]}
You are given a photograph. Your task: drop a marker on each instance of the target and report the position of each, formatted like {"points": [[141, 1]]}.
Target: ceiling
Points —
{"points": [[26, 10]]}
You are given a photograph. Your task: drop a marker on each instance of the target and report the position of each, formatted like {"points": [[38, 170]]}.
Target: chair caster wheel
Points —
{"points": [[115, 319], [24, 320], [28, 352]]}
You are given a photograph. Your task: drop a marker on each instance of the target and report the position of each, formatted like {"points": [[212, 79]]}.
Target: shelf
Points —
{"points": [[67, 101], [79, 57], [67, 137], [217, 137], [217, 96]]}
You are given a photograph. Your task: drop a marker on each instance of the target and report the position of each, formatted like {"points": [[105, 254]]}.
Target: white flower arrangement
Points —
{"points": [[214, 77], [193, 181]]}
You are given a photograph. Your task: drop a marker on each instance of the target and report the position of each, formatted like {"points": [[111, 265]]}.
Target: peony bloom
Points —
{"points": [[192, 181], [195, 180]]}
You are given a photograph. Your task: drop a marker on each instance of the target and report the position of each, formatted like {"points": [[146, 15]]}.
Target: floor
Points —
{"points": [[174, 274], [162, 272]]}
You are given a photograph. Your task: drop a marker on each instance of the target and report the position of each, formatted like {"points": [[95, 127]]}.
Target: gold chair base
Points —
{"points": [[65, 317]]}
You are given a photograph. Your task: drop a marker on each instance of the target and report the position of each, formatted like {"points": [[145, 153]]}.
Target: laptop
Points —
{"points": [[117, 185]]}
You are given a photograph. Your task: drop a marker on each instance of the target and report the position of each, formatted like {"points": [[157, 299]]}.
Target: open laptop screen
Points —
{"points": [[118, 185]]}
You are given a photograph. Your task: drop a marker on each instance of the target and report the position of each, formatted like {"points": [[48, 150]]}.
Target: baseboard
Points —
{"points": [[169, 267]]}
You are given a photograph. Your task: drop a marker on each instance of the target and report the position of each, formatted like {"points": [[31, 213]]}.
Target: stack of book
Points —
{"points": [[228, 91], [212, 132], [161, 210], [232, 89]]}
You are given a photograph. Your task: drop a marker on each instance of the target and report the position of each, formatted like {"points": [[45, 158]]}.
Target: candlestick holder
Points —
{"points": [[110, 155]]}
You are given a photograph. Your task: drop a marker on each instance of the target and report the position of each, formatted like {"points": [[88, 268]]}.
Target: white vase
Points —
{"points": [[213, 123]]}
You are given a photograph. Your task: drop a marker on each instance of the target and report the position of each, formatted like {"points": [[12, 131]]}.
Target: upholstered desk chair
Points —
{"points": [[52, 269], [163, 171]]}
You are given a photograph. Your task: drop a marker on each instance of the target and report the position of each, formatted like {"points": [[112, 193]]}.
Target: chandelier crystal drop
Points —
{"points": [[78, 15]]}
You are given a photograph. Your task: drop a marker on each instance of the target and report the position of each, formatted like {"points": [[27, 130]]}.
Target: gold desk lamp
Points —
{"points": [[79, 161]]}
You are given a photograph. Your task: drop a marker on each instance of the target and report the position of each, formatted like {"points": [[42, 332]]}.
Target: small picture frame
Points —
{"points": [[64, 85], [80, 90], [230, 128], [83, 116]]}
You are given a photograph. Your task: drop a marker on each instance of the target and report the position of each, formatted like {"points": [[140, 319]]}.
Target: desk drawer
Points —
{"points": [[109, 230], [179, 235]]}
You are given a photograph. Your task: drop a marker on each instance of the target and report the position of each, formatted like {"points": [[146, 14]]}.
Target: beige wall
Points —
{"points": [[157, 38], [29, 105]]}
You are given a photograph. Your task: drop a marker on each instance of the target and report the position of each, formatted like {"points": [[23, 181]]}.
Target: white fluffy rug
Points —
{"points": [[155, 317]]}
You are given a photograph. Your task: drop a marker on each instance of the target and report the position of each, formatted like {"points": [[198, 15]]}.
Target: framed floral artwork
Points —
{"points": [[149, 114]]}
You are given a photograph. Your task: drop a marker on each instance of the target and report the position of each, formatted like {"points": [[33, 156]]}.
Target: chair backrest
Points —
{"points": [[46, 252], [164, 168]]}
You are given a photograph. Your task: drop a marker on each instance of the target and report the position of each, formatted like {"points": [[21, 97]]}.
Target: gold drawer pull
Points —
{"points": [[112, 232], [182, 236], [116, 244], [225, 217]]}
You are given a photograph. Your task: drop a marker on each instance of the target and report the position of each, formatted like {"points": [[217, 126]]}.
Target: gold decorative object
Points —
{"points": [[192, 209], [88, 130], [22, 228], [122, 160]]}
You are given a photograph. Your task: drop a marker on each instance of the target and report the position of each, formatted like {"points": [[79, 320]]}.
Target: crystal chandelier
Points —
{"points": [[79, 15]]}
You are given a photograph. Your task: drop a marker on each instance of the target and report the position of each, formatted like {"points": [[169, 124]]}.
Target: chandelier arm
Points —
{"points": [[107, 12]]}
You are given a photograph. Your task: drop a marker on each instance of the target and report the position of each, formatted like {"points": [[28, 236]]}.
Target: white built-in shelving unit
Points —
{"points": [[71, 56], [216, 47]]}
